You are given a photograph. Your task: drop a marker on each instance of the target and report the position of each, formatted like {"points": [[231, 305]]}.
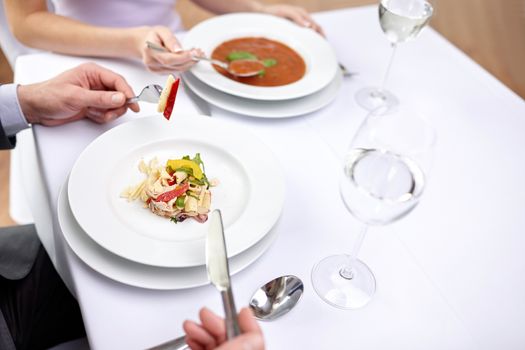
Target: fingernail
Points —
{"points": [[117, 98], [177, 49]]}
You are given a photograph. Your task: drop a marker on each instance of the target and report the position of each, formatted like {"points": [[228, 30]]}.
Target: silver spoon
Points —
{"points": [[233, 67], [150, 93], [276, 297], [269, 302]]}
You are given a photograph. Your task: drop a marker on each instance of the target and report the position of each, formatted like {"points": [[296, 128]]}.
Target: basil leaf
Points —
{"points": [[240, 55], [262, 73], [197, 159], [269, 62]]}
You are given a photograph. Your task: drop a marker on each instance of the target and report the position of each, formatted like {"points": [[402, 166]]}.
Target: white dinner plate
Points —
{"points": [[265, 109], [320, 59], [140, 275], [250, 193]]}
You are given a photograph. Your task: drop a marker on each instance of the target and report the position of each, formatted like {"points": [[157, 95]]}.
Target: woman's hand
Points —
{"points": [[211, 334], [174, 60], [294, 13]]}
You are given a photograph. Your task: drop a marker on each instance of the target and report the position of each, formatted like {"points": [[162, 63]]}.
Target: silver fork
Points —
{"points": [[346, 72], [150, 93]]}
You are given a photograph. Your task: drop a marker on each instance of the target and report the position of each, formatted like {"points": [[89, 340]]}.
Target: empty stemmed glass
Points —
{"points": [[401, 20], [385, 172]]}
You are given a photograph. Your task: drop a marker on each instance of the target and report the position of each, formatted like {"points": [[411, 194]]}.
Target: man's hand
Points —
{"points": [[211, 334], [87, 91]]}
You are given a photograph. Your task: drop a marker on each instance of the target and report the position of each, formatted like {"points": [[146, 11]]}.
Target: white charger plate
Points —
{"points": [[140, 275], [250, 194], [319, 56], [265, 109]]}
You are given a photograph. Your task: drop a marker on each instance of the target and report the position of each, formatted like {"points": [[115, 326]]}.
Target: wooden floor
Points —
{"points": [[492, 32]]}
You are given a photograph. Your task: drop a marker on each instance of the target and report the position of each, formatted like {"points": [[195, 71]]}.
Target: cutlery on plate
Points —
{"points": [[276, 298], [241, 68], [150, 93], [346, 72], [219, 273]]}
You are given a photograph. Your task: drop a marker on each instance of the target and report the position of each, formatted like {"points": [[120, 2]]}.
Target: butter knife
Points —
{"points": [[219, 273]]}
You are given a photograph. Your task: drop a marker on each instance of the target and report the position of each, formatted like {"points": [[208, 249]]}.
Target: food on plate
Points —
{"points": [[177, 190], [282, 65], [167, 97]]}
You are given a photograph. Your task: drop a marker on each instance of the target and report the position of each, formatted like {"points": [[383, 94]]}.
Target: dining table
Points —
{"points": [[450, 275]]}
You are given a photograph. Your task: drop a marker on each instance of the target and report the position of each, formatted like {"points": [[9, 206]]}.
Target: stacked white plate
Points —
{"points": [[126, 242], [317, 88]]}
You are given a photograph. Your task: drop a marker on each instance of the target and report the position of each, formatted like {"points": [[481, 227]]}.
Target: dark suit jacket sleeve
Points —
{"points": [[6, 142]]}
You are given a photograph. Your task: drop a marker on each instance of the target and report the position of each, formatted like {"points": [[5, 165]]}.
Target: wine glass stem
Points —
{"points": [[383, 84], [347, 271]]}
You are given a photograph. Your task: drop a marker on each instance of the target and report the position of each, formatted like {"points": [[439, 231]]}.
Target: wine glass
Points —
{"points": [[385, 171], [401, 20]]}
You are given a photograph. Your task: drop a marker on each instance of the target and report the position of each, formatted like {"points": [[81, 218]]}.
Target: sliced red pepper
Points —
{"points": [[172, 181], [168, 196], [171, 99]]}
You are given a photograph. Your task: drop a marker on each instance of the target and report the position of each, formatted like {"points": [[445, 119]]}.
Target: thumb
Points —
{"points": [[246, 341], [101, 99]]}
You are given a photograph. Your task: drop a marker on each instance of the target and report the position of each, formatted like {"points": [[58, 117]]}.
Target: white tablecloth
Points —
{"points": [[450, 275]]}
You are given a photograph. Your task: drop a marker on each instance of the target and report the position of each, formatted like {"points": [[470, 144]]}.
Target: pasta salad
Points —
{"points": [[177, 190]]}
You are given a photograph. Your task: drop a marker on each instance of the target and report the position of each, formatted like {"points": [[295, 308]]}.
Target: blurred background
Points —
{"points": [[491, 32]]}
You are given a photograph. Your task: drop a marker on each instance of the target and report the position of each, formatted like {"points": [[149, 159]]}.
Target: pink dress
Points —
{"points": [[121, 13], [107, 13]]}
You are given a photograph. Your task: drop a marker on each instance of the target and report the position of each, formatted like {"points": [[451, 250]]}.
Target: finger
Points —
{"points": [[134, 107], [198, 335], [252, 341], [95, 113], [296, 18], [115, 113], [98, 99], [171, 69], [247, 322], [198, 53], [173, 59], [168, 40], [105, 116], [213, 324], [110, 80], [193, 345], [311, 23]]}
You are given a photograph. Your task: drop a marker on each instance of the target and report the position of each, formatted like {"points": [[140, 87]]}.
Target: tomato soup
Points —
{"points": [[282, 65]]}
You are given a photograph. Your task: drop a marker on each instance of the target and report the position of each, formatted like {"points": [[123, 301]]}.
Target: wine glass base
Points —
{"points": [[372, 98], [343, 293]]}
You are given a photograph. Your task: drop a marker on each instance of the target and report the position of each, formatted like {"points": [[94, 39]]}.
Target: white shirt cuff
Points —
{"points": [[11, 116]]}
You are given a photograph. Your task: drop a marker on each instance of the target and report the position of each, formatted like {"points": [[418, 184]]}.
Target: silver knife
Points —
{"points": [[218, 272]]}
